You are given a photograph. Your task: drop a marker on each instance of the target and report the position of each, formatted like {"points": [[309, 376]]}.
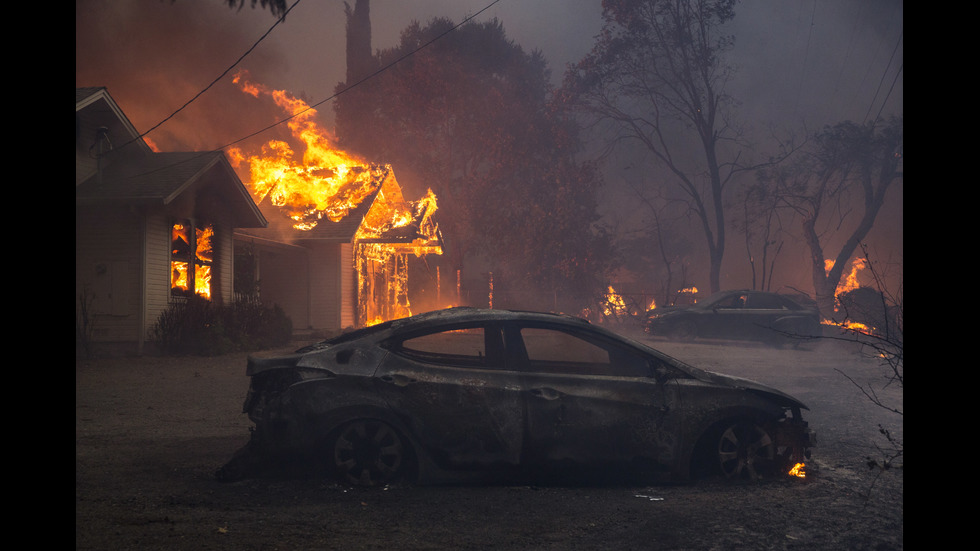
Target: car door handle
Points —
{"points": [[546, 393], [398, 380]]}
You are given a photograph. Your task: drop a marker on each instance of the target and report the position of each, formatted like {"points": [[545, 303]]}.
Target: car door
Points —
{"points": [[729, 318], [591, 400], [453, 387], [763, 310]]}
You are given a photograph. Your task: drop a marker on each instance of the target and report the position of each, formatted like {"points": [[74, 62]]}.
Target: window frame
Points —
{"points": [[492, 344], [519, 354]]}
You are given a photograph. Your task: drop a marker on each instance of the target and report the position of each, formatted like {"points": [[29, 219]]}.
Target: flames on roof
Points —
{"points": [[326, 189]]}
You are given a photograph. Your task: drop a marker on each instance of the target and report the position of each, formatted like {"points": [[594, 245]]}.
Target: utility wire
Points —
{"points": [[221, 76], [352, 86], [365, 79], [880, 82]]}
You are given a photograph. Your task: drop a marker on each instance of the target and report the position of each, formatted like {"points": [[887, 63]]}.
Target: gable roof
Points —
{"points": [[139, 176], [95, 108]]}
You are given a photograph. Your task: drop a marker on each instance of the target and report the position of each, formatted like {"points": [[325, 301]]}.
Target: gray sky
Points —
{"points": [[818, 61], [800, 62]]}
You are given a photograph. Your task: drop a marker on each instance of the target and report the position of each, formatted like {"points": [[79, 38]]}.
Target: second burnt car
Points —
{"points": [[464, 391], [738, 314]]}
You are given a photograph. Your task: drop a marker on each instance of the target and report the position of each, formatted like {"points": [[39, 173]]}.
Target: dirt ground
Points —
{"points": [[150, 433]]}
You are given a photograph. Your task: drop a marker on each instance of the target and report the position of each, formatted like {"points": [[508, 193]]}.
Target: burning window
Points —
{"points": [[191, 257]]}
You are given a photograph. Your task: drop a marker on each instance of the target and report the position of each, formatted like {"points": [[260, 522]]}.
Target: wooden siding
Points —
{"points": [[107, 271], [325, 303], [348, 286], [157, 260], [283, 275], [224, 263]]}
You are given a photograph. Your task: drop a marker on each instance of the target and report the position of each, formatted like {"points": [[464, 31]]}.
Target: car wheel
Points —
{"points": [[368, 452], [745, 451]]}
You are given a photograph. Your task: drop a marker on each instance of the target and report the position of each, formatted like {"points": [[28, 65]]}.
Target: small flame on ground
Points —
{"points": [[798, 470]]}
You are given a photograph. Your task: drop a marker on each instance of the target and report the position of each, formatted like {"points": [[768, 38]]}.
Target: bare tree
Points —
{"points": [[657, 74], [836, 188], [762, 230], [886, 345]]}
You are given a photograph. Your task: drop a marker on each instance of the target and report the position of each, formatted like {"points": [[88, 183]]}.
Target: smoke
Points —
{"points": [[155, 56], [801, 62]]}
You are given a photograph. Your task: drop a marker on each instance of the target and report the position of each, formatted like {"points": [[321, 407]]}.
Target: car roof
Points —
{"points": [[449, 316], [464, 314]]}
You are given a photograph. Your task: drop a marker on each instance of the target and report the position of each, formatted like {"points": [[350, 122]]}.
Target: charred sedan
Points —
{"points": [[463, 391], [750, 315]]}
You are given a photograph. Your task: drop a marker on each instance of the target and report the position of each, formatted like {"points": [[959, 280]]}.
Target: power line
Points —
{"points": [[221, 76], [363, 80], [880, 82], [348, 88]]}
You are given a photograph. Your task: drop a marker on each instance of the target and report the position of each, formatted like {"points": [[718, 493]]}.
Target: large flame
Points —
{"points": [[324, 183], [329, 183], [180, 265], [848, 283]]}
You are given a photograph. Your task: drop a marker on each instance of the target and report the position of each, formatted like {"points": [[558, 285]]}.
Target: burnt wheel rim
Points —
{"points": [[368, 453], [746, 451]]}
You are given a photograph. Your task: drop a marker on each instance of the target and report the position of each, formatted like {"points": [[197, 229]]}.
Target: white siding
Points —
{"points": [[325, 306], [107, 272], [284, 281], [348, 286], [157, 261]]}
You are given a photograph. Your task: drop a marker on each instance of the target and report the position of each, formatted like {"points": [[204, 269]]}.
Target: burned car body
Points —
{"points": [[739, 314], [463, 390]]}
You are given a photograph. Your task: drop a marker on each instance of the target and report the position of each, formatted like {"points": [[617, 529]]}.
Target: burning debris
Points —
{"points": [[330, 185]]}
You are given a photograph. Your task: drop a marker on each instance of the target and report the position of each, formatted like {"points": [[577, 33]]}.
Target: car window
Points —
{"points": [[733, 301], [767, 302], [552, 351], [462, 347]]}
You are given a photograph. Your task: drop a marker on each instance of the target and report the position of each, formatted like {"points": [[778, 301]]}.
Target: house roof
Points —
{"points": [[95, 108], [281, 228], [385, 188], [137, 175]]}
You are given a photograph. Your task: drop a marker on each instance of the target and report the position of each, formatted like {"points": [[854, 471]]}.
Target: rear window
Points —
{"points": [[461, 347]]}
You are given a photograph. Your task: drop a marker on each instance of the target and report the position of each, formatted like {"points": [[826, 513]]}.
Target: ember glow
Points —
{"points": [[327, 183]]}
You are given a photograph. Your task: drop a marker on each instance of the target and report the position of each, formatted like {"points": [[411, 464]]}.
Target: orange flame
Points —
{"points": [[849, 283], [203, 256], [798, 470], [326, 182], [330, 183]]}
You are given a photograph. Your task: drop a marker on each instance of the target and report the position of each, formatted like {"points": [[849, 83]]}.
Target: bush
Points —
{"points": [[197, 326]]}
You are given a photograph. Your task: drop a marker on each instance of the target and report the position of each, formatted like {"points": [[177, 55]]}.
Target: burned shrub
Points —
{"points": [[198, 326]]}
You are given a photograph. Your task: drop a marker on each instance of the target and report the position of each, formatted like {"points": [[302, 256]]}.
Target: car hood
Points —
{"points": [[747, 385]]}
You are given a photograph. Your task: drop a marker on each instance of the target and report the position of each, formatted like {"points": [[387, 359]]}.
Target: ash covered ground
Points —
{"points": [[150, 432]]}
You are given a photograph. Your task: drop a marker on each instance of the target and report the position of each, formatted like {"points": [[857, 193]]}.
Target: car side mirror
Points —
{"points": [[660, 371]]}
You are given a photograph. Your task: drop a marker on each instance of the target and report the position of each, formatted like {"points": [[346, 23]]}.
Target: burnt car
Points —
{"points": [[461, 391], [739, 314]]}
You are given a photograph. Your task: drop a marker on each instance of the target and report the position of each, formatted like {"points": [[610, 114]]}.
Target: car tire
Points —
{"points": [[369, 452], [745, 450]]}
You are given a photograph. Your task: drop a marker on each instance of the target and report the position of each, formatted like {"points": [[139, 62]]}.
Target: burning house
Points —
{"points": [[341, 233], [327, 238], [346, 264], [150, 227]]}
